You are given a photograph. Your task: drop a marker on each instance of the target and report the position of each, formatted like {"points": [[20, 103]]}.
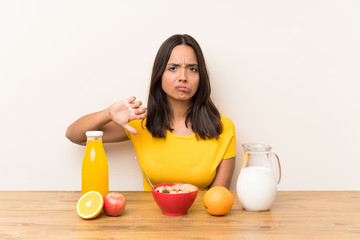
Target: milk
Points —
{"points": [[256, 188]]}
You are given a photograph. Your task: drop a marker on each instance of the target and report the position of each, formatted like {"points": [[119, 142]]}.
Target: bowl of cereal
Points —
{"points": [[174, 199]]}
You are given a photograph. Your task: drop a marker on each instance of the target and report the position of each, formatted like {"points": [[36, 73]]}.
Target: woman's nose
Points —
{"points": [[183, 76]]}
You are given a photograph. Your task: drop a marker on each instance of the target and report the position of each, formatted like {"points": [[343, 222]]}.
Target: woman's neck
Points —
{"points": [[179, 112], [179, 108]]}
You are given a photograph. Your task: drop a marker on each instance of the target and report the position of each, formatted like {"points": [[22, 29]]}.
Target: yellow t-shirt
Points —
{"points": [[182, 159]]}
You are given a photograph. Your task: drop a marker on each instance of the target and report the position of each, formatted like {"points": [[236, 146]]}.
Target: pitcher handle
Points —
{"points": [[278, 162]]}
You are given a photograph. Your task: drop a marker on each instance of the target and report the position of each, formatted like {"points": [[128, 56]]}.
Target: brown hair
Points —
{"points": [[203, 115]]}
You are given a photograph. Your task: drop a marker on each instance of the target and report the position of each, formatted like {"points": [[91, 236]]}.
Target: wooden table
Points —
{"points": [[294, 215]]}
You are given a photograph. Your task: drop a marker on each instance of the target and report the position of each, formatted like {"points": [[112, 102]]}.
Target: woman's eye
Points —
{"points": [[172, 68], [193, 69]]}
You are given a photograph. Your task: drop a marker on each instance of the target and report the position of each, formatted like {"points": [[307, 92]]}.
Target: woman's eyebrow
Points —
{"points": [[173, 64], [188, 65]]}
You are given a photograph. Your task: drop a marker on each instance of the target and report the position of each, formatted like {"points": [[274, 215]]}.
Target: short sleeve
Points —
{"points": [[230, 139]]}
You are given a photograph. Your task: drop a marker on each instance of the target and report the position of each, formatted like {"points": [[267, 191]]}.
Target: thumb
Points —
{"points": [[130, 129]]}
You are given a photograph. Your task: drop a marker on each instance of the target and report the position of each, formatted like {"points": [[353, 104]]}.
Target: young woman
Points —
{"points": [[180, 136]]}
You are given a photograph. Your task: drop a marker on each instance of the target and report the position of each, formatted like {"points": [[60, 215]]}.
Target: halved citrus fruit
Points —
{"points": [[90, 205], [218, 200]]}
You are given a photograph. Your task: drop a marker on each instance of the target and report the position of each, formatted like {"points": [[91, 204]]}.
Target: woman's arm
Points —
{"points": [[224, 173], [112, 121]]}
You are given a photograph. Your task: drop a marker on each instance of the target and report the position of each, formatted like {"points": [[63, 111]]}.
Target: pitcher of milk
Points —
{"points": [[257, 183]]}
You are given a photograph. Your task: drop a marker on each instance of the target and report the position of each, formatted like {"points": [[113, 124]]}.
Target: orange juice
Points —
{"points": [[95, 170]]}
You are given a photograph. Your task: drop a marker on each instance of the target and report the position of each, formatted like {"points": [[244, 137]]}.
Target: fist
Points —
{"points": [[124, 111]]}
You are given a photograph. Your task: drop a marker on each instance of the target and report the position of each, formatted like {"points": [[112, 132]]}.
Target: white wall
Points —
{"points": [[286, 72]]}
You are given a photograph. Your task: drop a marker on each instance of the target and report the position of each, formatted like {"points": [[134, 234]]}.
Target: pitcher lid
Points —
{"points": [[256, 147]]}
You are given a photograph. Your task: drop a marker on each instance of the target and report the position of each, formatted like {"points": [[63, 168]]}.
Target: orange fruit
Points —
{"points": [[218, 200], [90, 205]]}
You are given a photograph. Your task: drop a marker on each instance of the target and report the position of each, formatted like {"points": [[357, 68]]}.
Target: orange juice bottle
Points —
{"points": [[95, 170]]}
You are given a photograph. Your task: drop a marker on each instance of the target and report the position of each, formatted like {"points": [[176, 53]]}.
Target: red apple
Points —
{"points": [[114, 204]]}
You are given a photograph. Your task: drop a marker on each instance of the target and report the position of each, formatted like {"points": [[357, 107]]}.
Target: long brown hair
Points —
{"points": [[203, 114]]}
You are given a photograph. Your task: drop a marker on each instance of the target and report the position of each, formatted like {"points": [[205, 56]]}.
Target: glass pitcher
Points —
{"points": [[257, 183]]}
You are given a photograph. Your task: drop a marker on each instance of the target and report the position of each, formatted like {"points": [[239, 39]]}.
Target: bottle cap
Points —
{"points": [[94, 133]]}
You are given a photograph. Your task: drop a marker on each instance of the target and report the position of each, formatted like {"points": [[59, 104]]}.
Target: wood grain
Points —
{"points": [[294, 215]]}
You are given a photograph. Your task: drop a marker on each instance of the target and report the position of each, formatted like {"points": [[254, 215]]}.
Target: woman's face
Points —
{"points": [[180, 80]]}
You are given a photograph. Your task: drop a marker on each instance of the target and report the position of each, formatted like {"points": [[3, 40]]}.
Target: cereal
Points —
{"points": [[177, 188]]}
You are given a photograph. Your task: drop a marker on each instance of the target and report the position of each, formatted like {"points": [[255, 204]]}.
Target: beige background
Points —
{"points": [[286, 72]]}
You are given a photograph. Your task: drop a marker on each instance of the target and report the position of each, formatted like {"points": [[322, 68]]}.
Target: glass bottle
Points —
{"points": [[95, 170]]}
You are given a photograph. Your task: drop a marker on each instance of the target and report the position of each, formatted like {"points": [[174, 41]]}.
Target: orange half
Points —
{"points": [[90, 205]]}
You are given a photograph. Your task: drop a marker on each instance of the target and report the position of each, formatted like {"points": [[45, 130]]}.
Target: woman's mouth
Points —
{"points": [[182, 88]]}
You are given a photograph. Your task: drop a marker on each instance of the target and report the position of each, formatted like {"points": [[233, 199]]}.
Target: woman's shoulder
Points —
{"points": [[137, 122], [228, 125], [226, 121]]}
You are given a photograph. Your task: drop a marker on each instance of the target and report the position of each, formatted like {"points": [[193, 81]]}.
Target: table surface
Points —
{"points": [[294, 215]]}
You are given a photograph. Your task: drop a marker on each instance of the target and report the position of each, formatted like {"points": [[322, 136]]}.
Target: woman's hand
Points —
{"points": [[124, 111]]}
